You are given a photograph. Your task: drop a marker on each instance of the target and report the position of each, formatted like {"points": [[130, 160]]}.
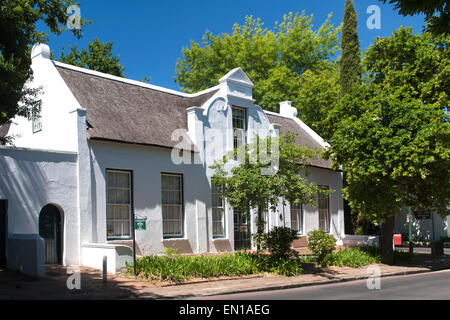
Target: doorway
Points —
{"points": [[50, 231], [241, 230], [3, 231]]}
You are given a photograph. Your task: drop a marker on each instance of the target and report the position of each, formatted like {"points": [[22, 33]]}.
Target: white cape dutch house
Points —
{"points": [[102, 150]]}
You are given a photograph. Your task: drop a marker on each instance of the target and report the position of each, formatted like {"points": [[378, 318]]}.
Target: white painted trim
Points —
{"points": [[10, 148], [305, 127], [241, 83], [226, 77], [275, 114], [134, 82], [312, 133]]}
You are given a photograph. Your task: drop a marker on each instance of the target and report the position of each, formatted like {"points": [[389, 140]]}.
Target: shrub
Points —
{"points": [[280, 266], [279, 241], [321, 244], [352, 257]]}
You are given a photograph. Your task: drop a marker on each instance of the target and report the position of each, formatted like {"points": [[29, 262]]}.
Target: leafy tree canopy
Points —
{"points": [[392, 135], [436, 12], [247, 185], [18, 19], [99, 57], [275, 59]]}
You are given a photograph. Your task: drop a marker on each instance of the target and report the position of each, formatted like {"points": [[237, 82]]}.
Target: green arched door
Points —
{"points": [[50, 231]]}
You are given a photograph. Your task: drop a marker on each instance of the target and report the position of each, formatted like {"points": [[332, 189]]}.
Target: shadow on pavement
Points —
{"points": [[15, 286]]}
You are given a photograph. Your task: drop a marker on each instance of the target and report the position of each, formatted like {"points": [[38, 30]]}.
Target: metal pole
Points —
{"points": [[105, 268], [433, 245], [134, 245], [411, 245]]}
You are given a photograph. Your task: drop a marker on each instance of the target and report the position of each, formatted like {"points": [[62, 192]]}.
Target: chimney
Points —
{"points": [[40, 49], [287, 110]]}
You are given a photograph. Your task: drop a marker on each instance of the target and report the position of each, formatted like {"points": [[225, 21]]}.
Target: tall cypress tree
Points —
{"points": [[351, 58], [350, 75]]}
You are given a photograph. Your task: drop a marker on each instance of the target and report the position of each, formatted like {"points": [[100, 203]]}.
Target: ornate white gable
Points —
{"points": [[237, 76]]}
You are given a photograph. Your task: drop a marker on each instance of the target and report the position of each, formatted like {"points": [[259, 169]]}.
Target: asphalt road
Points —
{"points": [[423, 286]]}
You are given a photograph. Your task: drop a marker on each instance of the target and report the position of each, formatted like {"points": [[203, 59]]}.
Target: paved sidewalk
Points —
{"points": [[16, 286]]}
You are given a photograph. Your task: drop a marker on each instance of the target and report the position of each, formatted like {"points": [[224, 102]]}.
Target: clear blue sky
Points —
{"points": [[149, 35]]}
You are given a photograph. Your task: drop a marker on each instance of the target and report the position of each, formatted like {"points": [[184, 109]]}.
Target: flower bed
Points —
{"points": [[180, 268]]}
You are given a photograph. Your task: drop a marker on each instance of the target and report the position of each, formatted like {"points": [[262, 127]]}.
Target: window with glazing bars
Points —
{"points": [[218, 213], [297, 217], [36, 122], [172, 204], [239, 126], [118, 204], [324, 210]]}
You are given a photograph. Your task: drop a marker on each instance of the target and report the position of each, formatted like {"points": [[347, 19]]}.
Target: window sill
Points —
{"points": [[221, 239], [118, 240], [174, 239]]}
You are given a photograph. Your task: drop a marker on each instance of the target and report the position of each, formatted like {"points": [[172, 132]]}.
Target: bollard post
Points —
{"points": [[105, 268]]}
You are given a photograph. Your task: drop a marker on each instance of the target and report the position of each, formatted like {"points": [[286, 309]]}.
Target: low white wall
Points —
{"points": [[359, 240], [117, 255], [26, 254]]}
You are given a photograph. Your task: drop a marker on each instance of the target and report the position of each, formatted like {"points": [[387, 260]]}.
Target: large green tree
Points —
{"points": [[437, 14], [350, 63], [97, 57], [249, 184], [274, 59], [392, 134], [18, 20], [318, 93]]}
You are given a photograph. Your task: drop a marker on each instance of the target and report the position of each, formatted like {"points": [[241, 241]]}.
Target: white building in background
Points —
{"points": [[102, 150]]}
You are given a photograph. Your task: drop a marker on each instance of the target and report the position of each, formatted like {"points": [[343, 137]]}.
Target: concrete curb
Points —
{"points": [[308, 284]]}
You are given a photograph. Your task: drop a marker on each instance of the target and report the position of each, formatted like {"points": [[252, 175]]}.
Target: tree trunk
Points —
{"points": [[386, 240], [260, 228]]}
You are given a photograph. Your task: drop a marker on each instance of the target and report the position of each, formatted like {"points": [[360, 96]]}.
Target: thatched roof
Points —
{"points": [[303, 138], [123, 112]]}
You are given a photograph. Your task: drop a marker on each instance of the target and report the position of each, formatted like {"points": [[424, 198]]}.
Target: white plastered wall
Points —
{"points": [[31, 179], [59, 123]]}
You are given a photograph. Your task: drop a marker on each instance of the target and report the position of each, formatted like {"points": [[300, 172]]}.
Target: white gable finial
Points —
{"points": [[238, 76], [40, 49]]}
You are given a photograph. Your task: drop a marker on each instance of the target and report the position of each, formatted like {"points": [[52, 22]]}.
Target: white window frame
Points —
{"points": [[216, 199], [165, 206], [123, 235], [36, 122], [325, 211], [297, 210], [239, 132]]}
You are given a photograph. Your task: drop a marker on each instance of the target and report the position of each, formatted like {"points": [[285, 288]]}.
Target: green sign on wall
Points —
{"points": [[140, 225]]}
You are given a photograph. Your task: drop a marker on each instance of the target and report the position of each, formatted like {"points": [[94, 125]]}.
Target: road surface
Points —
{"points": [[431, 285]]}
